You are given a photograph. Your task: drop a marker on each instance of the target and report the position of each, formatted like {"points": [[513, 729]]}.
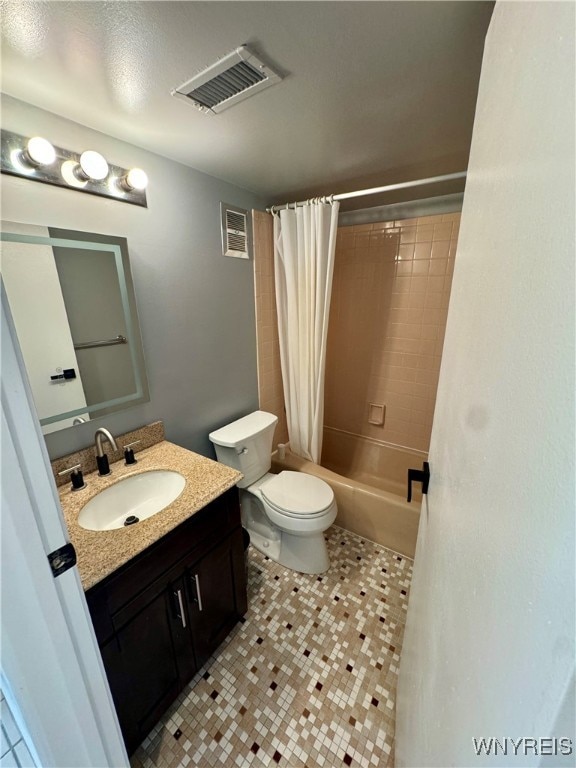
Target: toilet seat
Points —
{"points": [[296, 494]]}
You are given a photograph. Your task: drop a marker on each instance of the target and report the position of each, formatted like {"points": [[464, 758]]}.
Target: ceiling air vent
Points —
{"points": [[235, 231], [231, 79]]}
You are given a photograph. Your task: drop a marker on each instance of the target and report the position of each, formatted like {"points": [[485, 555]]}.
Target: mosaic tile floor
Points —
{"points": [[309, 677]]}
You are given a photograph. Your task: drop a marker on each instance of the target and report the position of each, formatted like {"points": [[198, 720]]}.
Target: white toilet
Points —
{"points": [[286, 514]]}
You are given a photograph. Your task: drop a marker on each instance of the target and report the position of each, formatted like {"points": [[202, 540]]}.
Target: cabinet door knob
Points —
{"points": [[181, 615]]}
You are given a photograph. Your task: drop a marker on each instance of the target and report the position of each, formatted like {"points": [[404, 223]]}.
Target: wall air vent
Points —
{"points": [[231, 79], [236, 235]]}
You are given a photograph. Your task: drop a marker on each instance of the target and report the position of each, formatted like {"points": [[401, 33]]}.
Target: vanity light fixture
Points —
{"points": [[87, 171]]}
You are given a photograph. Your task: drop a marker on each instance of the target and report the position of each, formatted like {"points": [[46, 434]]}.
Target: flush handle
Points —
{"points": [[419, 476], [241, 451], [181, 615]]}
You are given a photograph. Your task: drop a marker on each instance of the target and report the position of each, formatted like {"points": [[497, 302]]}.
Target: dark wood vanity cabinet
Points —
{"points": [[160, 617]]}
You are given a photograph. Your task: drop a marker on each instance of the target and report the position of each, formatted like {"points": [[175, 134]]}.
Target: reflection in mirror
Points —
{"points": [[72, 302]]}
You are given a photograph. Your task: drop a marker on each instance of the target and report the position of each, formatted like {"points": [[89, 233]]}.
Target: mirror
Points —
{"points": [[72, 301]]}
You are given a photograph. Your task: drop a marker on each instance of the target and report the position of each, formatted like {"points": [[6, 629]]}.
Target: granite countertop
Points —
{"points": [[100, 553]]}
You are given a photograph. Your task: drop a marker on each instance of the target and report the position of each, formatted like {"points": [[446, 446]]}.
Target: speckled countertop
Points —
{"points": [[102, 552]]}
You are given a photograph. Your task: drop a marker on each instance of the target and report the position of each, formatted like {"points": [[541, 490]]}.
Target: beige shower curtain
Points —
{"points": [[304, 245]]}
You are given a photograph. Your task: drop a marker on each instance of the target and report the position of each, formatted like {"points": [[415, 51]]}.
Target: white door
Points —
{"points": [[489, 644], [51, 670]]}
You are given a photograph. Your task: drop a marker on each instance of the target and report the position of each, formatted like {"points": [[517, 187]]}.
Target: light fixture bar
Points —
{"points": [[61, 172]]}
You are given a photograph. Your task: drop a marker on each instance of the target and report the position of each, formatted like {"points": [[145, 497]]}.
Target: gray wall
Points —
{"points": [[196, 307]]}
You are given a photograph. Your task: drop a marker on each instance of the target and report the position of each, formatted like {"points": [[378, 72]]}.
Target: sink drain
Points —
{"points": [[131, 519]]}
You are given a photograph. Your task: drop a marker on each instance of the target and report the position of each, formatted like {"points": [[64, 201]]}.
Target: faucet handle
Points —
{"points": [[70, 469], [75, 475], [129, 453]]}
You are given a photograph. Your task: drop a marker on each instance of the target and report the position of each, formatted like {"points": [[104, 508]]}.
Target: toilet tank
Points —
{"points": [[246, 445]]}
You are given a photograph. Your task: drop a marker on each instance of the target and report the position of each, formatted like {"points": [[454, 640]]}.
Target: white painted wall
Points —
{"points": [[196, 307], [489, 644]]}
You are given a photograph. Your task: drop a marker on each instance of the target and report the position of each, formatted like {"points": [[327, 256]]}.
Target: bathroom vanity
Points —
{"points": [[158, 618], [164, 593]]}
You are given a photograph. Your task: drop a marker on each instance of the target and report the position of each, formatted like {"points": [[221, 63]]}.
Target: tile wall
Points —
{"points": [[387, 322], [270, 389], [13, 750]]}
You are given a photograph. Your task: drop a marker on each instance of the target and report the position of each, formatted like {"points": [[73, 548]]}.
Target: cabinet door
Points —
{"points": [[149, 659], [217, 594], [182, 632]]}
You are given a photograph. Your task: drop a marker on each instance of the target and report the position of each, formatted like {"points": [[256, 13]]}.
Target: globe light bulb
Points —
{"points": [[69, 172], [136, 178], [39, 151], [93, 166]]}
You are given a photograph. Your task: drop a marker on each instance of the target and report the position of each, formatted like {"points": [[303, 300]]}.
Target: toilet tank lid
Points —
{"points": [[242, 429]]}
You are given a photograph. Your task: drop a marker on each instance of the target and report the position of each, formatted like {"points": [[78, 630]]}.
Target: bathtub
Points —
{"points": [[368, 478]]}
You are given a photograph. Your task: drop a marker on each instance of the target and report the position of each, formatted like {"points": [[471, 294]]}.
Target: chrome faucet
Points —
{"points": [[102, 434], [101, 458]]}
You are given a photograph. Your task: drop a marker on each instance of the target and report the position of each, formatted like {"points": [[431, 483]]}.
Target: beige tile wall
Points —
{"points": [[388, 317], [270, 390], [387, 321]]}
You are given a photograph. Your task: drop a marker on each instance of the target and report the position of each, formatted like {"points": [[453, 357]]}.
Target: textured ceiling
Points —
{"points": [[374, 92]]}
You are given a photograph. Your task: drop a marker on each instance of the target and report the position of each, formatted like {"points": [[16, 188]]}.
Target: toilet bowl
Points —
{"points": [[285, 514]]}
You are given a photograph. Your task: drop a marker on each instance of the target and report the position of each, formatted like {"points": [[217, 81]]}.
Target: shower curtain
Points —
{"points": [[304, 245]]}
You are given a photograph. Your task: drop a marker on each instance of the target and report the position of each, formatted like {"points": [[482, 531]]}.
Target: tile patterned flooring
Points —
{"points": [[308, 679]]}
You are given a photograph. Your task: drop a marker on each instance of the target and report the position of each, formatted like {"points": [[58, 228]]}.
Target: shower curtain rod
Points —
{"points": [[373, 190]]}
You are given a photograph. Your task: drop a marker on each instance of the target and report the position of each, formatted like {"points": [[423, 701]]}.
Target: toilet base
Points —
{"points": [[268, 547], [306, 554], [303, 551]]}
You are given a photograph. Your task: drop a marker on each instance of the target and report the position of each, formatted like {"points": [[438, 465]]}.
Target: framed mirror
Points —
{"points": [[72, 301]]}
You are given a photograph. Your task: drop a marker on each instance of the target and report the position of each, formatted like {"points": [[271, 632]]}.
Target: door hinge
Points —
{"points": [[62, 559]]}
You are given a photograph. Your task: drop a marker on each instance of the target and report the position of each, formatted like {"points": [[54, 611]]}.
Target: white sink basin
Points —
{"points": [[139, 496]]}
